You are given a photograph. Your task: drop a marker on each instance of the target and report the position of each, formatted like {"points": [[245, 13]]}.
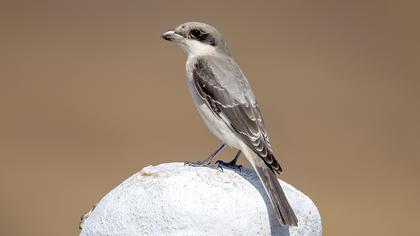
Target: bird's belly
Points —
{"points": [[218, 127]]}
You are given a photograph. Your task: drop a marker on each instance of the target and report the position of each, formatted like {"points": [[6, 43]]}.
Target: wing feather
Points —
{"points": [[225, 90]]}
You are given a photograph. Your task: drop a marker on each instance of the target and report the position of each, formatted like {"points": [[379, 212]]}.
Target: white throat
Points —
{"points": [[195, 48]]}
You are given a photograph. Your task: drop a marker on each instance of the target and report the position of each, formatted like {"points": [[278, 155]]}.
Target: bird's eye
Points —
{"points": [[195, 33]]}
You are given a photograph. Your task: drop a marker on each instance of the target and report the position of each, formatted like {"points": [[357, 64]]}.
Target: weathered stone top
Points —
{"points": [[173, 199]]}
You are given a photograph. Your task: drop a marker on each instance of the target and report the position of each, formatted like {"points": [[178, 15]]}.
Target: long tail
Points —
{"points": [[284, 211]]}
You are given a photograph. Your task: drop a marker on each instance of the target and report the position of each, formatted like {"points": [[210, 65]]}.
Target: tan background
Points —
{"points": [[90, 94]]}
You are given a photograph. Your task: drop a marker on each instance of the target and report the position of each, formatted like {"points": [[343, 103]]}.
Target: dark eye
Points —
{"points": [[195, 33]]}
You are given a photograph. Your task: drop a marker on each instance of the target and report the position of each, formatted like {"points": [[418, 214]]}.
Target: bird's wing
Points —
{"points": [[223, 87]]}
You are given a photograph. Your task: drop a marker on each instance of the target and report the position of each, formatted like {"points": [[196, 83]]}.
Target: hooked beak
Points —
{"points": [[172, 36]]}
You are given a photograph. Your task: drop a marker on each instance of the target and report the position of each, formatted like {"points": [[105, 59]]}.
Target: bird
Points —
{"points": [[225, 101]]}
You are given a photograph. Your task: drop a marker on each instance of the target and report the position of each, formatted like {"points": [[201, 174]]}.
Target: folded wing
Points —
{"points": [[223, 87]]}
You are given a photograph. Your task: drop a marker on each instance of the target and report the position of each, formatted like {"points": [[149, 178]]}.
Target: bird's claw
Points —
{"points": [[230, 165], [204, 163]]}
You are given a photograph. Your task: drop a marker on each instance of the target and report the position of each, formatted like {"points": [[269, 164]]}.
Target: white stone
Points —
{"points": [[173, 199]]}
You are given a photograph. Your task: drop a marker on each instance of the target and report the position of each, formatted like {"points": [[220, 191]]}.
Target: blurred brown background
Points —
{"points": [[90, 94]]}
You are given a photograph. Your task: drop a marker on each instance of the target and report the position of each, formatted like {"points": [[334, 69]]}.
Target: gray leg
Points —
{"points": [[233, 162], [207, 161]]}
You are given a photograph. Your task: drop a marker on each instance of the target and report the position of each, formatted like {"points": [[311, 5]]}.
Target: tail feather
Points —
{"points": [[282, 208]]}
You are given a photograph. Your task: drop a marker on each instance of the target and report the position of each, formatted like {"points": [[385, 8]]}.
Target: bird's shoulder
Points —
{"points": [[218, 63], [224, 73]]}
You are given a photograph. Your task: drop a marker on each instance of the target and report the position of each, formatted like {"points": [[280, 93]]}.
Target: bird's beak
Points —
{"points": [[172, 36]]}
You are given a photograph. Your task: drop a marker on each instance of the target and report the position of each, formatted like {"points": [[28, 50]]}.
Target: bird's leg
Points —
{"points": [[206, 162], [231, 164]]}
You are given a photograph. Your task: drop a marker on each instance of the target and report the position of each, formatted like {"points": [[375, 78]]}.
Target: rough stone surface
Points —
{"points": [[173, 199]]}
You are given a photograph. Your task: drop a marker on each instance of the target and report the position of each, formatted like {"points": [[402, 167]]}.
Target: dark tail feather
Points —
{"points": [[284, 211]]}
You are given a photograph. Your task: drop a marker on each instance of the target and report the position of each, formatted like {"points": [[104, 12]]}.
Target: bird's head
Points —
{"points": [[197, 38]]}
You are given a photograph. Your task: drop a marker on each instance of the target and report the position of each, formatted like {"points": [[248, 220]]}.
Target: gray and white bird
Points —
{"points": [[225, 101]]}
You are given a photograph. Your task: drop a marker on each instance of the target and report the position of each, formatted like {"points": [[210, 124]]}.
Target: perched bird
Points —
{"points": [[225, 101]]}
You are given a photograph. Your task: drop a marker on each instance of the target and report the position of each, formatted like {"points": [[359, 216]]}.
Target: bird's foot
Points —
{"points": [[203, 163], [231, 165]]}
